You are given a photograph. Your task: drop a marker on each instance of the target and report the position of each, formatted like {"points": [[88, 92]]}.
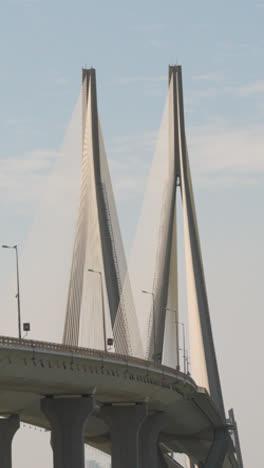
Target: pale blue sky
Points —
{"points": [[44, 44]]}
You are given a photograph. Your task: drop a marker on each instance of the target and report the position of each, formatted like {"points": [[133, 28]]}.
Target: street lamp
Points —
{"points": [[18, 291], [183, 338], [154, 319], [102, 301]]}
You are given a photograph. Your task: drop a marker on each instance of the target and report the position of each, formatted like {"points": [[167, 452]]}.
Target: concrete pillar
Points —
{"points": [[124, 423], [150, 453], [67, 417], [218, 450], [8, 428]]}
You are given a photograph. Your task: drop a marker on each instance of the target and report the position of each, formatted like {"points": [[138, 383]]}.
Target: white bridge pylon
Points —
{"points": [[165, 283], [100, 294], [98, 263]]}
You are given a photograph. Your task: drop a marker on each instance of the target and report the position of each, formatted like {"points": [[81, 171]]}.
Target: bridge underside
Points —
{"points": [[190, 417]]}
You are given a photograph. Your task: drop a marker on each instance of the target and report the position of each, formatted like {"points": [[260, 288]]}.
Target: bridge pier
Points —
{"points": [[150, 453], [124, 423], [67, 417], [134, 436], [218, 450], [8, 428]]}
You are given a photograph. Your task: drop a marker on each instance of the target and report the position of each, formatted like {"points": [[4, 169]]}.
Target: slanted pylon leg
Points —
{"points": [[67, 417], [219, 448], [8, 428], [124, 423], [150, 453]]}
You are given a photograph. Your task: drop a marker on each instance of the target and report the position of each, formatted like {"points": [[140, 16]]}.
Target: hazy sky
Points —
{"points": [[44, 44]]}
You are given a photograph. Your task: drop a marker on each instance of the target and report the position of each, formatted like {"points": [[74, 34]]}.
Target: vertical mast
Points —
{"points": [[94, 216], [165, 285], [200, 331]]}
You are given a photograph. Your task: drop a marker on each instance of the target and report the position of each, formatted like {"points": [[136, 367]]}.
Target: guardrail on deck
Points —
{"points": [[35, 345]]}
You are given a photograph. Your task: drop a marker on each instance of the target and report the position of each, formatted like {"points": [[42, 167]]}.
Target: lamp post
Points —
{"points": [[154, 320], [18, 290], [183, 338], [102, 301]]}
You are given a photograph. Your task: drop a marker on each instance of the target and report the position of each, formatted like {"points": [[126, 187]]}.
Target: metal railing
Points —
{"points": [[11, 342]]}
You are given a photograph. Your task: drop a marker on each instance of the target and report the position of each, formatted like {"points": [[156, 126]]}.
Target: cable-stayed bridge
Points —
{"points": [[113, 383]]}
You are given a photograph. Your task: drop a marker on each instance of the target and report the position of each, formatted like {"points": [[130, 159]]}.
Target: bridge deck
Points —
{"points": [[30, 370]]}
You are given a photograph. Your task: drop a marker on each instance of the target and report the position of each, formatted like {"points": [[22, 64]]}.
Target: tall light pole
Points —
{"points": [[18, 290], [154, 320], [183, 337], [102, 302]]}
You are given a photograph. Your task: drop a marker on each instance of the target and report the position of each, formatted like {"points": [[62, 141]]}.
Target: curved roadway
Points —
{"points": [[30, 370]]}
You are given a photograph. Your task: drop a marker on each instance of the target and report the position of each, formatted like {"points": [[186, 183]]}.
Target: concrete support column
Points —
{"points": [[124, 423], [150, 453], [8, 428], [67, 417], [219, 448]]}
